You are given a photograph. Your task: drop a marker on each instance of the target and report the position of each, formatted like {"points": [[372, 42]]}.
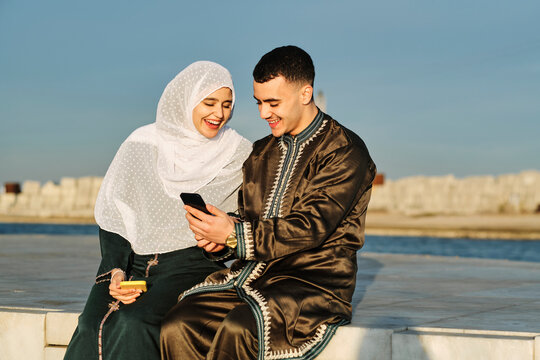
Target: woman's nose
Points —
{"points": [[219, 112]]}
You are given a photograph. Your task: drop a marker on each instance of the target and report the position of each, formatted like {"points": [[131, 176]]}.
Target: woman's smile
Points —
{"points": [[213, 124]]}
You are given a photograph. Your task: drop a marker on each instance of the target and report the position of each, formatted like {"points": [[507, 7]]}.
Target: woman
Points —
{"points": [[143, 231]]}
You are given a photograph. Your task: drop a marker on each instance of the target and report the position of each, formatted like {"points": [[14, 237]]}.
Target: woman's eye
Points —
{"points": [[208, 104]]}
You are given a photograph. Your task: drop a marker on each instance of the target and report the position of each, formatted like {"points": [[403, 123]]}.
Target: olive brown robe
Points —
{"points": [[303, 205]]}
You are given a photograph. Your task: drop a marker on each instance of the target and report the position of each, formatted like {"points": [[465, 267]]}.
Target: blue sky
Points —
{"points": [[433, 87]]}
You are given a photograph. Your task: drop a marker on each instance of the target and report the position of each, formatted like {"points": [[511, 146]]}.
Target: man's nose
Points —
{"points": [[264, 109]]}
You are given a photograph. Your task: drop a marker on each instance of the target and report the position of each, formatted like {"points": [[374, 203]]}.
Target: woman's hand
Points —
{"points": [[208, 246], [126, 296]]}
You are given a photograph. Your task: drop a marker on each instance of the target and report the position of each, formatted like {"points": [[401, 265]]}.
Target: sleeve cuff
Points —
{"points": [[244, 247], [223, 255], [103, 277]]}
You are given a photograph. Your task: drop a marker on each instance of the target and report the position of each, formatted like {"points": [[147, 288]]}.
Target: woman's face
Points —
{"points": [[212, 112]]}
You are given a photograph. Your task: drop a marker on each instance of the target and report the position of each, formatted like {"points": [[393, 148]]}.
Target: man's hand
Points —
{"points": [[210, 231], [126, 296]]}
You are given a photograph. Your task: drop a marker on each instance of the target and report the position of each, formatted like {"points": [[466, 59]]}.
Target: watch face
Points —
{"points": [[231, 241]]}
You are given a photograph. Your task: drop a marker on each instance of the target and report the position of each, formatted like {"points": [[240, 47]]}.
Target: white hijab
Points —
{"points": [[139, 197]]}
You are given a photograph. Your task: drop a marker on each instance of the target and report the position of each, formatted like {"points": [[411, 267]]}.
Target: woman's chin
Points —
{"points": [[209, 133]]}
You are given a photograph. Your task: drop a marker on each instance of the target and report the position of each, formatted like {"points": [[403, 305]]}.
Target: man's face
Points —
{"points": [[281, 104]]}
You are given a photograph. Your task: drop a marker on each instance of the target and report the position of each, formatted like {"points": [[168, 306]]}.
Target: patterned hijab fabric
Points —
{"points": [[139, 197]]}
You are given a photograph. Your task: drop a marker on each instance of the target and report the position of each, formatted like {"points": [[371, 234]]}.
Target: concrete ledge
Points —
{"points": [[54, 352], [352, 342], [59, 327], [537, 348], [444, 345], [45, 334], [40, 334], [22, 334]]}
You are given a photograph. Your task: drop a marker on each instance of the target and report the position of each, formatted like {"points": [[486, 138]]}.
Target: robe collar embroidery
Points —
{"points": [[292, 148], [307, 132]]}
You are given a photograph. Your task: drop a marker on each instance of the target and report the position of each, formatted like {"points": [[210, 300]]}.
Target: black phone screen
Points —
{"points": [[194, 200]]}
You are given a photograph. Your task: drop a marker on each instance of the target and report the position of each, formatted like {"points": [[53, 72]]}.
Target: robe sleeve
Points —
{"points": [[220, 256], [116, 252], [342, 181]]}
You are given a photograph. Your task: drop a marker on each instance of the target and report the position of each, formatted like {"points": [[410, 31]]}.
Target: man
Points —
{"points": [[302, 208]]}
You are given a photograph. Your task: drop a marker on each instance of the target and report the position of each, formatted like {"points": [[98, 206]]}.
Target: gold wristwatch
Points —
{"points": [[231, 240]]}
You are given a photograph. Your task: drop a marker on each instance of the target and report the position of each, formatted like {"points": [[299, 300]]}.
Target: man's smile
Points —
{"points": [[273, 123]]}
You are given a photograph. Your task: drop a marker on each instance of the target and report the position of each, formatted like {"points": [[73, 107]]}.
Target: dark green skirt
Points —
{"points": [[110, 330]]}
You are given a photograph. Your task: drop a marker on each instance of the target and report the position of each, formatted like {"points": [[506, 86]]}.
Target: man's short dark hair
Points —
{"points": [[291, 62]]}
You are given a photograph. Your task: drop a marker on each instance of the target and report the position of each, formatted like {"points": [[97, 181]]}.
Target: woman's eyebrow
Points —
{"points": [[214, 99]]}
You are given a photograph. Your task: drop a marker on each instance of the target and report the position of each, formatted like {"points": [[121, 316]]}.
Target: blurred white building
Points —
{"points": [[320, 101]]}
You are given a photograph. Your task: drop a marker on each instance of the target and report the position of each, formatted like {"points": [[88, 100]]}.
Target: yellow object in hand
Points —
{"points": [[140, 285]]}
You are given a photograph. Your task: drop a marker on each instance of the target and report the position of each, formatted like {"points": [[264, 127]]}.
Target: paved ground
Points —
{"points": [[393, 291], [417, 290]]}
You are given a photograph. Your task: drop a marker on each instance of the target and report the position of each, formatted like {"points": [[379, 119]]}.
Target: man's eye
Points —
{"points": [[227, 106], [273, 105]]}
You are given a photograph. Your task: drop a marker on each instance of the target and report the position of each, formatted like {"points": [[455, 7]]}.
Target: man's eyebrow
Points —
{"points": [[267, 100]]}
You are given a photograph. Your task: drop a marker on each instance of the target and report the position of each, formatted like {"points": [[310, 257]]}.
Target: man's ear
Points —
{"points": [[306, 94]]}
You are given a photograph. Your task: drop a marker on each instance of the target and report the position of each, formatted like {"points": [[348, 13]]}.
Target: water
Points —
{"points": [[48, 229], [518, 250]]}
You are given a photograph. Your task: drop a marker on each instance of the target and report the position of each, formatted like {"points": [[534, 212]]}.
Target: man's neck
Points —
{"points": [[307, 117]]}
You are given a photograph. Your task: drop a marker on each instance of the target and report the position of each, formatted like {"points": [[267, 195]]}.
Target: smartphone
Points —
{"points": [[194, 200], [139, 284]]}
